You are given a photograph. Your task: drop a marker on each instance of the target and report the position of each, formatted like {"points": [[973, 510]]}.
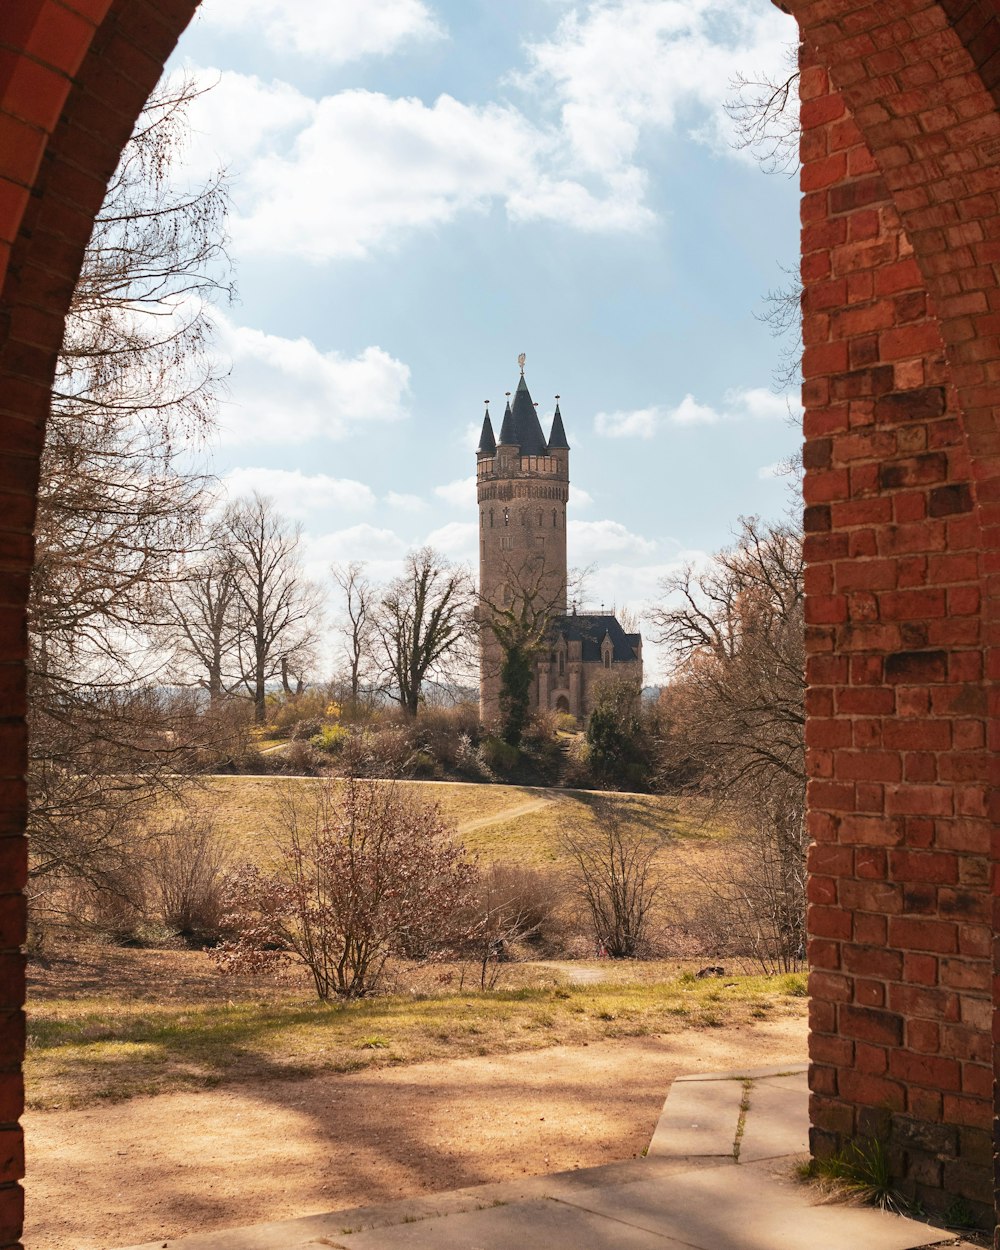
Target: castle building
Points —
{"points": [[523, 489]]}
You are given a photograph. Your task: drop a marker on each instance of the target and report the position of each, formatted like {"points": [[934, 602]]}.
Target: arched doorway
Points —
{"points": [[903, 474]]}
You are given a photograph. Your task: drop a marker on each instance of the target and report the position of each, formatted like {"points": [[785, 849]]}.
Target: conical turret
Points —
{"points": [[507, 435], [557, 439], [527, 430], [487, 443]]}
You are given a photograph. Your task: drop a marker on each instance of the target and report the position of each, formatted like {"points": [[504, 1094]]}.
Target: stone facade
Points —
{"points": [[523, 490]]}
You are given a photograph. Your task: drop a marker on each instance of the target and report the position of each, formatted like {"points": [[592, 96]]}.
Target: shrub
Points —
{"points": [[369, 872], [187, 867], [566, 723], [499, 756], [509, 905], [616, 880], [331, 738], [441, 732], [286, 712]]}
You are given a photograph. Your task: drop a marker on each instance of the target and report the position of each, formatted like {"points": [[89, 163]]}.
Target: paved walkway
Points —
{"points": [[718, 1175]]}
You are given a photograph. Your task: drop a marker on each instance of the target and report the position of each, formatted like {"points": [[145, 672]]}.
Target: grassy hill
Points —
{"points": [[521, 824]]}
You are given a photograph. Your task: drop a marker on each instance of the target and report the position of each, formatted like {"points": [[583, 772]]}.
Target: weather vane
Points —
{"points": [[520, 361]]}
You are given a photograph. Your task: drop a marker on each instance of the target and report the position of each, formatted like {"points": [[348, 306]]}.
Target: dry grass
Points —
{"points": [[94, 1038], [246, 809]]}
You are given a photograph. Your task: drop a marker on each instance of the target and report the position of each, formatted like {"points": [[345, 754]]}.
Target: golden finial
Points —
{"points": [[520, 361]]}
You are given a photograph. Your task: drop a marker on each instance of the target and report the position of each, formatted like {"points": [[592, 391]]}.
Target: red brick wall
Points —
{"points": [[898, 517], [899, 895], [73, 76], [902, 252]]}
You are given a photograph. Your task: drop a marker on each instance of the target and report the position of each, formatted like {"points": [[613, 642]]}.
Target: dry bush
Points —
{"points": [[753, 901], [613, 864], [510, 905], [445, 732], [286, 713], [366, 872], [186, 871]]}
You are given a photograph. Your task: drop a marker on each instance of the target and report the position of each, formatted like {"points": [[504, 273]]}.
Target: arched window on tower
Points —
{"points": [[491, 518], [562, 663], [539, 518], [506, 516], [555, 523]]}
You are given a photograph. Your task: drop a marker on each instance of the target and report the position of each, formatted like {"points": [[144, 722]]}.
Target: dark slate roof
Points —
{"points": [[590, 628], [487, 443], [507, 434], [557, 439], [527, 430]]}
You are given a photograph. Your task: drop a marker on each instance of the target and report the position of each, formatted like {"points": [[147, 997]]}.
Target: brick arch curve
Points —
{"points": [[921, 80]]}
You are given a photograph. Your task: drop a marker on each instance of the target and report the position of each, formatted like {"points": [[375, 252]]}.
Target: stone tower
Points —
{"points": [[523, 486]]}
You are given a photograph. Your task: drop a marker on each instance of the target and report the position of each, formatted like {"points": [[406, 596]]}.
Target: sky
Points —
{"points": [[423, 189]]}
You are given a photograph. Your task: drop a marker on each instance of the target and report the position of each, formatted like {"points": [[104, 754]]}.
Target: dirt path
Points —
{"points": [[508, 813], [160, 1167]]}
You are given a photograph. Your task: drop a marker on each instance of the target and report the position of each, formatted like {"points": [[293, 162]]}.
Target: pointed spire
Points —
{"points": [[527, 432], [557, 439], [507, 434], [487, 443]]}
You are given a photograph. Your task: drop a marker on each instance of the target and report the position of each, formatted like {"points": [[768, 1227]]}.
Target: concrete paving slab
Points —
{"points": [[698, 1118], [792, 1068], [737, 1209], [307, 1232], [777, 1122], [525, 1226]]}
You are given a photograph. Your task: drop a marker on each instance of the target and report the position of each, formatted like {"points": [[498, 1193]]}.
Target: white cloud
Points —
{"points": [[405, 503], [296, 493], [460, 494], [741, 404], [579, 498], [358, 170], [361, 542], [590, 540], [620, 68], [334, 30], [368, 168], [457, 540], [289, 391], [758, 401]]}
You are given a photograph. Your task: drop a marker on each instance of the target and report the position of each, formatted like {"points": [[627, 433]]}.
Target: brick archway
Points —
{"points": [[901, 179]]}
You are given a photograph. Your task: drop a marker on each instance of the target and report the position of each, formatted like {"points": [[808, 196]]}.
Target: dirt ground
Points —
{"points": [[160, 1167]]}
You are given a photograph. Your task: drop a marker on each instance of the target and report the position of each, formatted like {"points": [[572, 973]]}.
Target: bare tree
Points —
{"points": [[360, 607], [736, 703], [616, 879], [764, 109], [510, 903], [203, 623], [135, 387], [365, 872], [278, 608], [423, 620], [519, 624]]}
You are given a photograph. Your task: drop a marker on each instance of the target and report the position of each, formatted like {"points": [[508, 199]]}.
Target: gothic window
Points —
{"points": [[562, 663], [607, 659], [524, 518], [539, 520], [555, 522], [491, 518], [507, 542], [506, 516]]}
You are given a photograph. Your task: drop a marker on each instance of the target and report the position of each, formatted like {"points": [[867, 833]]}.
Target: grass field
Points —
{"points": [[520, 824], [89, 1044]]}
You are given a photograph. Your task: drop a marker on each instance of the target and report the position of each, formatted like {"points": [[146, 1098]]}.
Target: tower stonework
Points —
{"points": [[523, 488]]}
